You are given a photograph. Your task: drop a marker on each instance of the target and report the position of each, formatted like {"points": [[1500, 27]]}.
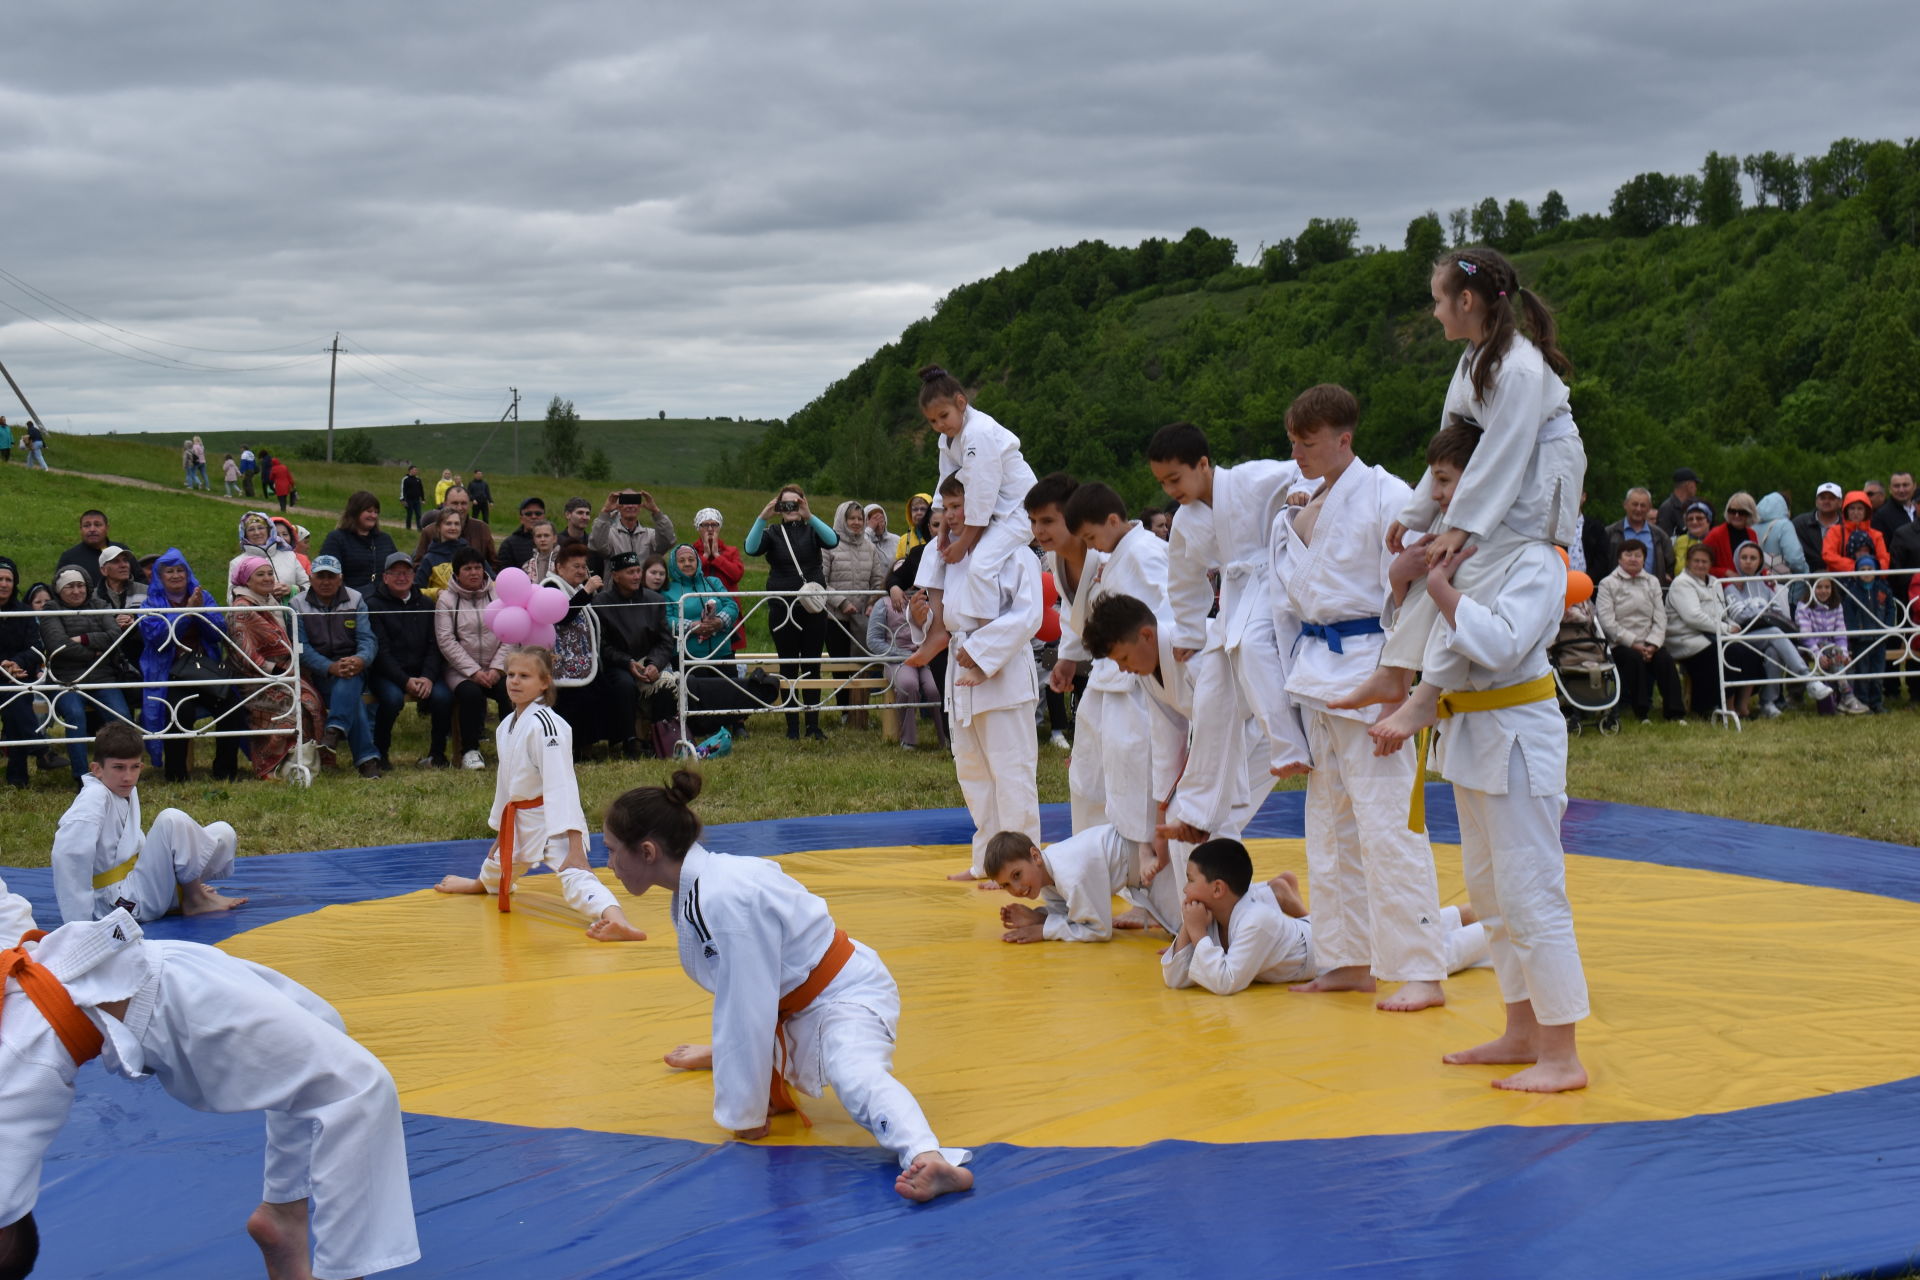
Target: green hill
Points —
{"points": [[1767, 346], [649, 451]]}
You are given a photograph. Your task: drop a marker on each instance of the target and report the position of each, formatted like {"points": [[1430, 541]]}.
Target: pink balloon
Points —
{"points": [[492, 611], [547, 604], [512, 624], [513, 586], [542, 634]]}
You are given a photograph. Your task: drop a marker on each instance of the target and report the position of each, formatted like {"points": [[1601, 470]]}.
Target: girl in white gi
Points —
{"points": [[1076, 881], [986, 456], [222, 1035], [1522, 487], [1225, 518], [795, 1001], [536, 803], [102, 861]]}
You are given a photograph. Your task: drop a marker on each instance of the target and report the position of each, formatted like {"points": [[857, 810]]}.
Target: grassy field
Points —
{"points": [[650, 451]]}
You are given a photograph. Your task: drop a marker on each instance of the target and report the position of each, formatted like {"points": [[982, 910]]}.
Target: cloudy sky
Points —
{"points": [[720, 208]]}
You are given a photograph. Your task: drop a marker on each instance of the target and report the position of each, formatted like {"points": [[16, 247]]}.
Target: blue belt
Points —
{"points": [[1331, 632]]}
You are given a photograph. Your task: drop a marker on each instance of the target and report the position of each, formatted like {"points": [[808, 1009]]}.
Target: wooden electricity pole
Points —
{"points": [[31, 415], [513, 411], [333, 372]]}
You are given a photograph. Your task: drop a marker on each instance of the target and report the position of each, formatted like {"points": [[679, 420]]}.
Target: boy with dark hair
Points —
{"points": [[1071, 563], [101, 861], [1076, 881]]}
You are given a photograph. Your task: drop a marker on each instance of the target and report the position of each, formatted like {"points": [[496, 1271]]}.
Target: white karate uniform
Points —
{"points": [[1089, 869], [100, 831], [1522, 485], [750, 934], [997, 478], [1086, 785], [1112, 718], [1509, 775], [1376, 898], [1242, 669], [222, 1035], [996, 753], [16, 917], [1265, 944], [535, 748]]}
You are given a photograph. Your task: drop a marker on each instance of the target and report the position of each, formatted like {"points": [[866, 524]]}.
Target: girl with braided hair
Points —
{"points": [[1522, 486]]}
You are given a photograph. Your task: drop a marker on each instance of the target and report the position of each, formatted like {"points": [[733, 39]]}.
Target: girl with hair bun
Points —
{"points": [[795, 1001]]}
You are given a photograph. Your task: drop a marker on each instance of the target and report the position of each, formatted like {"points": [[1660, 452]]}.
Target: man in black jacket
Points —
{"points": [[636, 648], [1812, 526], [413, 495], [482, 494], [84, 555], [517, 547], [1898, 510], [408, 666]]}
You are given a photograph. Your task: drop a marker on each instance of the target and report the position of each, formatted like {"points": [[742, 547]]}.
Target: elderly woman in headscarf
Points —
{"points": [[176, 645], [262, 648], [707, 619], [717, 559], [262, 536]]}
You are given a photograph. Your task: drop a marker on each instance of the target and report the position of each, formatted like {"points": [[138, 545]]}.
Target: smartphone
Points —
{"points": [[631, 499], [788, 505]]}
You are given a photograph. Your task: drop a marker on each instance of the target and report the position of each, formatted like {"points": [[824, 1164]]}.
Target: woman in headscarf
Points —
{"points": [[918, 509], [261, 536], [717, 559], [262, 648], [175, 645], [19, 664], [707, 621]]}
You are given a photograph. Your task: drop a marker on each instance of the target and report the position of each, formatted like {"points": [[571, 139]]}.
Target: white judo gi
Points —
{"points": [[1521, 486], [1509, 773], [16, 917], [1238, 669], [750, 934], [1376, 899], [222, 1035], [101, 860], [1086, 786], [996, 753], [535, 747], [1089, 869], [1111, 720], [997, 478]]}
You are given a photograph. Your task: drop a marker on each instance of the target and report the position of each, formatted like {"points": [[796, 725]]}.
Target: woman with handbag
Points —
{"points": [[791, 537], [177, 646], [263, 649]]}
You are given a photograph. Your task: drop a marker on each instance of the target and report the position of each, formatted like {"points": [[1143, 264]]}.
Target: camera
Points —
{"points": [[631, 499], [788, 505]]}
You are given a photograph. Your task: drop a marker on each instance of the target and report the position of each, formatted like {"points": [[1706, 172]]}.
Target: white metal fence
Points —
{"points": [[1895, 639], [117, 668]]}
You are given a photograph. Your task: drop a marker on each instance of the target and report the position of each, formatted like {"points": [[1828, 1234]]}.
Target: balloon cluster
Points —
{"points": [[522, 613], [1579, 585]]}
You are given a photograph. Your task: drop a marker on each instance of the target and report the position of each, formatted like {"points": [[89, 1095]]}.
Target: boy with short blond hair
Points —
{"points": [[1076, 881], [101, 860]]}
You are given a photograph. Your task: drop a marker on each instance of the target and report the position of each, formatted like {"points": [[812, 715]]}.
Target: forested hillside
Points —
{"points": [[1765, 336]]}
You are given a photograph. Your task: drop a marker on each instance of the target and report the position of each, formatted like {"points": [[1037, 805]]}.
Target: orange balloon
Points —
{"points": [[1563, 557], [1579, 587]]}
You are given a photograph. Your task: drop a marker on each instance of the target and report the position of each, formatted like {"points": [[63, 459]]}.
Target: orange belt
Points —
{"points": [[76, 1032], [839, 951], [509, 825]]}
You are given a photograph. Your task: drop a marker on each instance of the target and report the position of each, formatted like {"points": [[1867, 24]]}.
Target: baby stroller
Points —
{"points": [[1584, 673]]}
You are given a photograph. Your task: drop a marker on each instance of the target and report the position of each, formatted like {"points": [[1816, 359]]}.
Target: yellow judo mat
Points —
{"points": [[1711, 992]]}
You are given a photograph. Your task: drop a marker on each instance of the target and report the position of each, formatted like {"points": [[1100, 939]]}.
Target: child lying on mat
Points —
{"points": [[1076, 881]]}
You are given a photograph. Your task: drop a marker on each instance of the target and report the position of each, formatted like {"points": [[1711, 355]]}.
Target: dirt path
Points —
{"points": [[268, 504]]}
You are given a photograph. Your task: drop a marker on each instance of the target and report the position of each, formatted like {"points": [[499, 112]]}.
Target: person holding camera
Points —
{"points": [[792, 539], [618, 528]]}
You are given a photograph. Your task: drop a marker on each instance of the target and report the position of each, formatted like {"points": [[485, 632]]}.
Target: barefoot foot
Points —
{"points": [[1413, 996], [1286, 891], [930, 1176], [613, 926], [969, 677], [1134, 918], [1418, 712], [197, 899], [690, 1057], [1547, 1077], [1468, 915], [281, 1232], [1352, 978], [1506, 1050], [459, 884], [1386, 684]]}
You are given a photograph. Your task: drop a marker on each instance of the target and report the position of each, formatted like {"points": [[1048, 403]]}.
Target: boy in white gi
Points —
{"points": [[1234, 933], [987, 459], [1376, 897], [1225, 518], [536, 805], [992, 691], [795, 1001], [222, 1035], [1076, 881], [101, 861], [1073, 565]]}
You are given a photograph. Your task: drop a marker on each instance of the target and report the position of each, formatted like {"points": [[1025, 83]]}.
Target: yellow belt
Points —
{"points": [[114, 875], [1460, 702]]}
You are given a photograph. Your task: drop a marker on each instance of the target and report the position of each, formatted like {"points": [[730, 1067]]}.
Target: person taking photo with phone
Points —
{"points": [[619, 529]]}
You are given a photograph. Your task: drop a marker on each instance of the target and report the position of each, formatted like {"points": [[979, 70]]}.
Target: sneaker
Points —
{"points": [[1852, 705], [330, 740], [370, 769], [1819, 690], [435, 762], [906, 746], [1769, 710], [1059, 740], [473, 760]]}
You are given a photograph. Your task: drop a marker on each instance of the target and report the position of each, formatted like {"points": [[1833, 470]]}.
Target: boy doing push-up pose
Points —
{"points": [[1076, 881]]}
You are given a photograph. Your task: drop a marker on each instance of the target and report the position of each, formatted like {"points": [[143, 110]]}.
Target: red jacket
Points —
{"points": [[281, 479], [1721, 542], [1834, 549], [723, 564]]}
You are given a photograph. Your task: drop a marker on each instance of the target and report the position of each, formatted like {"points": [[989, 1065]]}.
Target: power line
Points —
{"points": [[461, 391], [75, 313], [363, 376], [176, 366]]}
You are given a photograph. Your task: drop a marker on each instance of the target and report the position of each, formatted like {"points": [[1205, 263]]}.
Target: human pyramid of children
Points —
{"points": [[1326, 608]]}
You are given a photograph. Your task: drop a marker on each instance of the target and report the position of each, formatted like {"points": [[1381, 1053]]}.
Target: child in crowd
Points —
{"points": [[1076, 881], [536, 804], [1633, 617], [1822, 620], [795, 1000], [1522, 487], [223, 1035], [1763, 616], [1869, 606], [102, 861], [986, 457], [230, 472]]}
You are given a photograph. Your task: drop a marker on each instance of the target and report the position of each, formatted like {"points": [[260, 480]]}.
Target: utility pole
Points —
{"points": [[31, 415], [513, 411], [333, 372]]}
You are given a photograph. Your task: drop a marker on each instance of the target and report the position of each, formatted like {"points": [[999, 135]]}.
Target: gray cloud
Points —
{"points": [[722, 208]]}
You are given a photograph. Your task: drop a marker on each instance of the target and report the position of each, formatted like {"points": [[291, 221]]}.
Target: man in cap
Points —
{"points": [[407, 665], [1812, 525], [337, 646], [517, 548], [1672, 516], [636, 648]]}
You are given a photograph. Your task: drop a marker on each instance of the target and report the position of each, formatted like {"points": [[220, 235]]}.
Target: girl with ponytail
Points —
{"points": [[795, 1001]]}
